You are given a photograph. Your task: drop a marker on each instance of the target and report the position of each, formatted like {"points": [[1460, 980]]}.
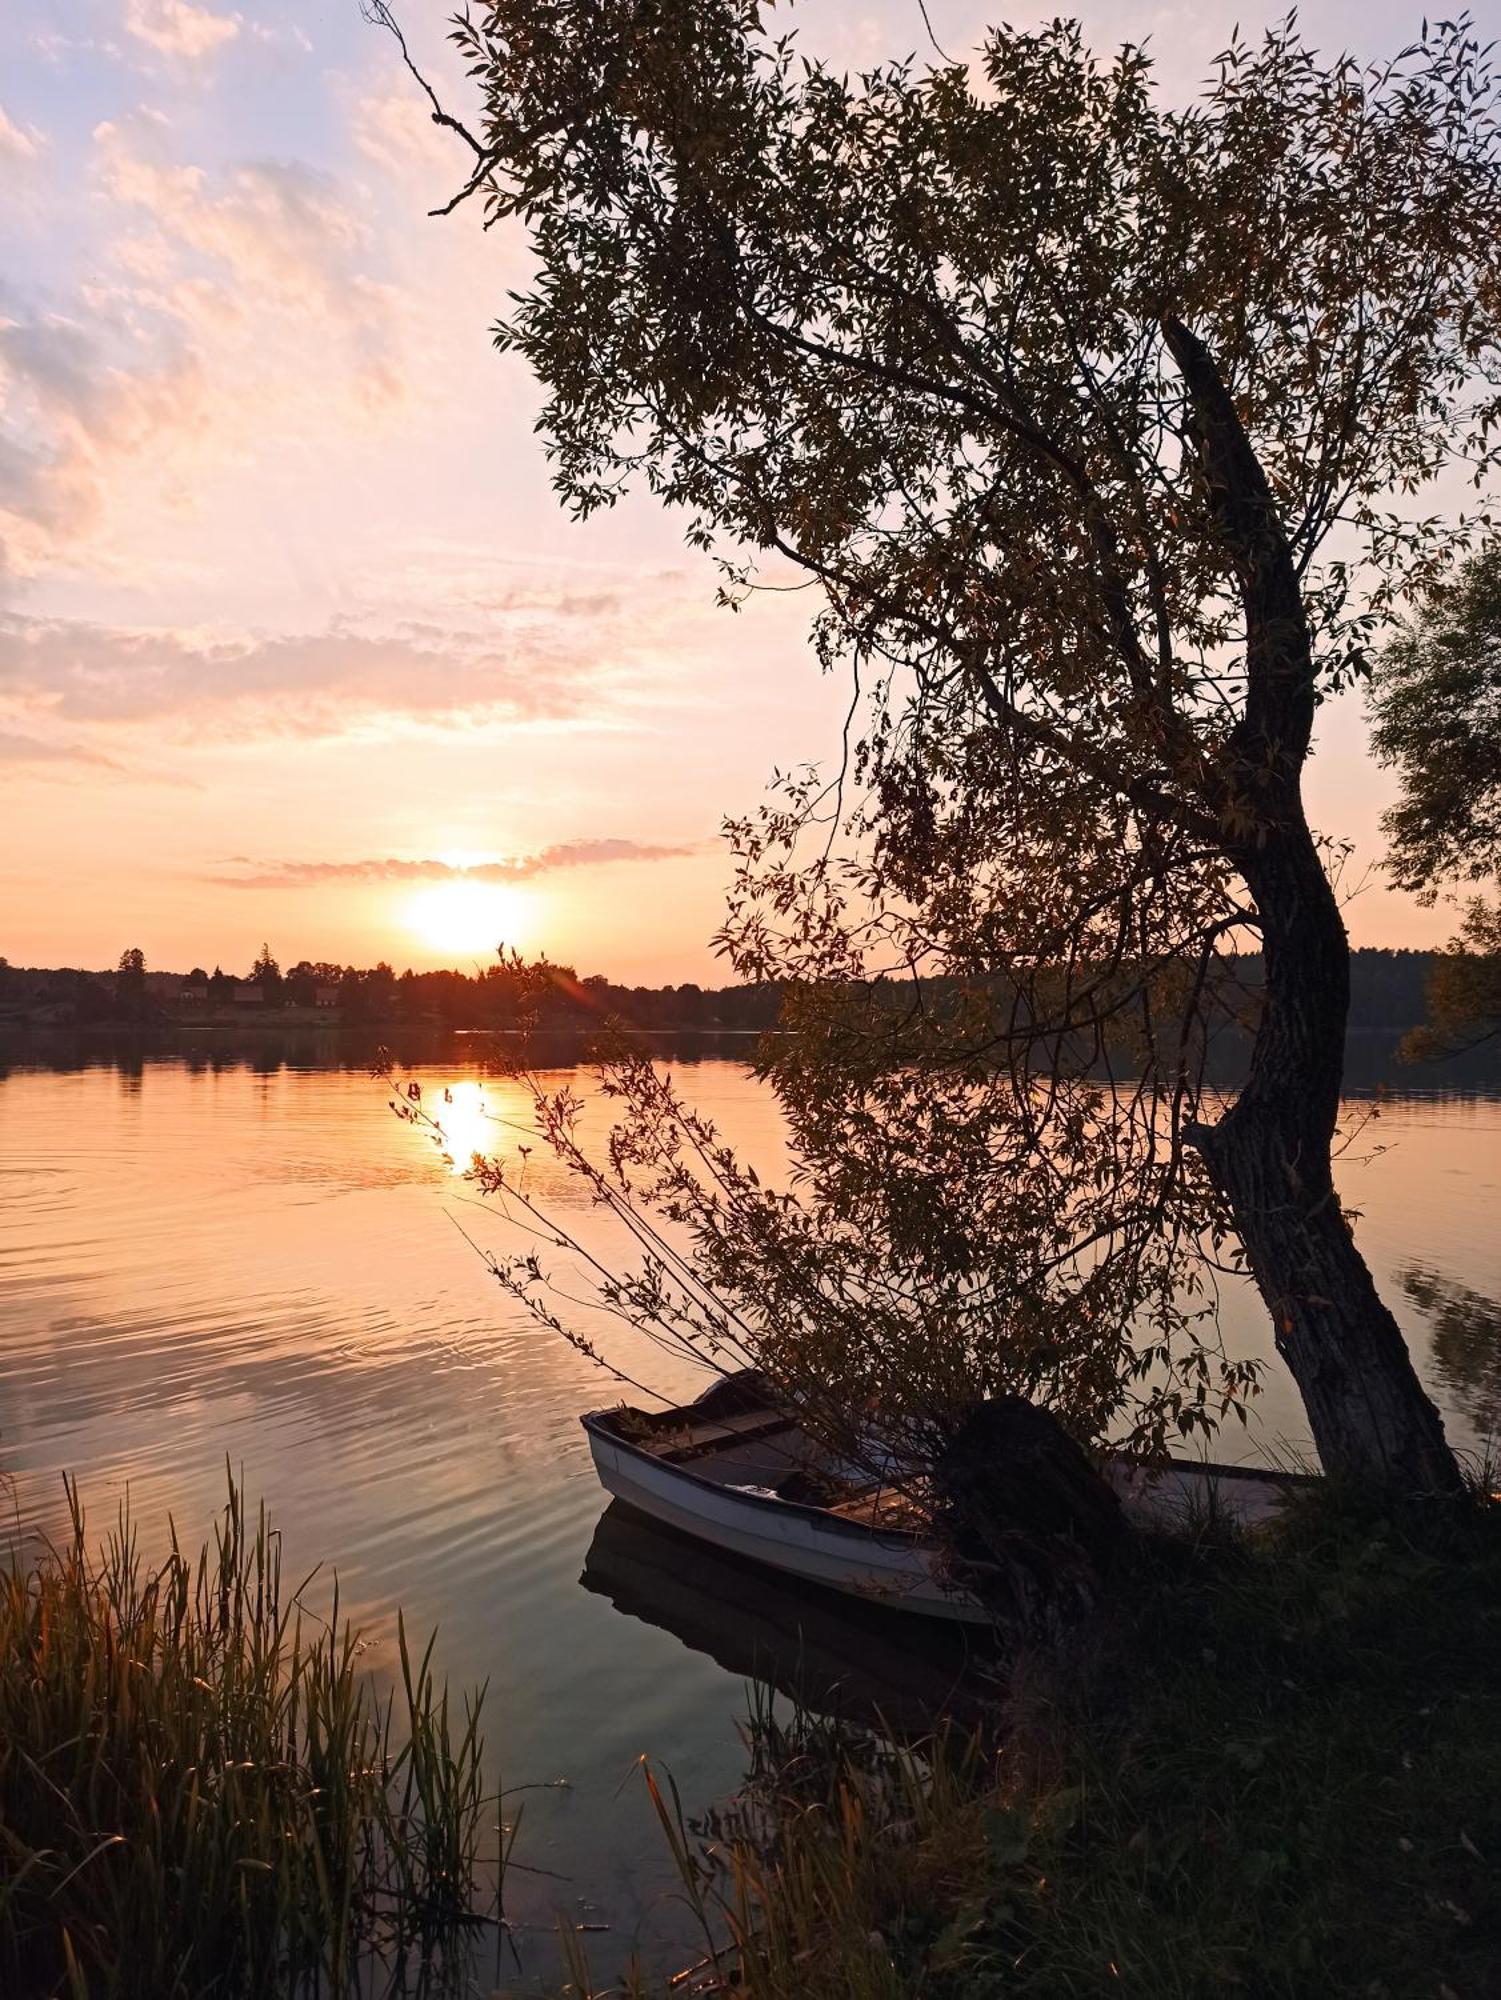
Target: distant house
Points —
{"points": [[326, 996], [192, 996], [247, 995]]}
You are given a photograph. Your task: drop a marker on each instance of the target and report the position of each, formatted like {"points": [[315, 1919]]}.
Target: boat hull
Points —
{"points": [[718, 1471], [896, 1570]]}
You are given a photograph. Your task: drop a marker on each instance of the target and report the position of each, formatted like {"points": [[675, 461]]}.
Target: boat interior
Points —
{"points": [[735, 1436]]}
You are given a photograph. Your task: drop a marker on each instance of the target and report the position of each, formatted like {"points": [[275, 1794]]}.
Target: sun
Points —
{"points": [[467, 916]]}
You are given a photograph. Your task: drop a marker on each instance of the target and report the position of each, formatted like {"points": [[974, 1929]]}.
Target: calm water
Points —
{"points": [[250, 1258]]}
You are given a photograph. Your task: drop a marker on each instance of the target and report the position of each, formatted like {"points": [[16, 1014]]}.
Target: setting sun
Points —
{"points": [[468, 916]]}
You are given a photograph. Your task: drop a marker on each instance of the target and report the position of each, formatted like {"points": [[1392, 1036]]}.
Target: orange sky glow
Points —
{"points": [[295, 640]]}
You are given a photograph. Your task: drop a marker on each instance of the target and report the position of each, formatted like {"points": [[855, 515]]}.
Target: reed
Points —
{"points": [[202, 1794]]}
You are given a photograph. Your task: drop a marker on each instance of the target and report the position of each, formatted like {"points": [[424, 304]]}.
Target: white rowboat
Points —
{"points": [[733, 1469]]}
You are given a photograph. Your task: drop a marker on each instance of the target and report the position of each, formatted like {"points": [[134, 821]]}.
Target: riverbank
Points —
{"points": [[1273, 1769]]}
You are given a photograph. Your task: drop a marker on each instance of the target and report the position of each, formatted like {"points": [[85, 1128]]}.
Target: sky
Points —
{"points": [[296, 641]]}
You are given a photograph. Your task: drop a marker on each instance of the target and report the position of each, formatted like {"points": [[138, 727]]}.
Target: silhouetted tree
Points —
{"points": [[130, 985], [1437, 708], [1436, 700], [1059, 394], [266, 974]]}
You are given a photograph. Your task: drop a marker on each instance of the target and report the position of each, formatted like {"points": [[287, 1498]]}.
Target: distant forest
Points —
{"points": [[1387, 995]]}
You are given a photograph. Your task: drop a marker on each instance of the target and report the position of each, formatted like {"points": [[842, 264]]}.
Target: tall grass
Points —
{"points": [[200, 1794], [842, 1847]]}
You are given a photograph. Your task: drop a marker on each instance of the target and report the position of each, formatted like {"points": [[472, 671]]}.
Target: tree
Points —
{"points": [[130, 980], [266, 973], [302, 984], [1086, 415], [1436, 702], [130, 984], [1463, 991]]}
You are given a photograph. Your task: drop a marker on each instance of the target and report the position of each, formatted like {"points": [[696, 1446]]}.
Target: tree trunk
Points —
{"points": [[1270, 1156], [1024, 1517]]}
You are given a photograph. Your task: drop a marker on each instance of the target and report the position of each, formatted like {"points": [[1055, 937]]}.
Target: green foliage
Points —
{"points": [[912, 327], [1464, 989], [1437, 708], [199, 1793]]}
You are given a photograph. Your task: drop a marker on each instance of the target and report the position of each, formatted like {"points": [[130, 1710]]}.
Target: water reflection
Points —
{"points": [[485, 1118], [876, 1667], [1466, 1332]]}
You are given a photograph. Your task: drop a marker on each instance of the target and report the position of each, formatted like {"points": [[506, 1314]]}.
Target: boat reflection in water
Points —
{"points": [[868, 1664]]}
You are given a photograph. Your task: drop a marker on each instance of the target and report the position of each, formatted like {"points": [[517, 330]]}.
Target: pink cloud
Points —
{"points": [[72, 412], [16, 748], [305, 683], [18, 143], [177, 28], [522, 868]]}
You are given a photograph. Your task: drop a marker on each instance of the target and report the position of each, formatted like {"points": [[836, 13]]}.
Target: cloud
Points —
{"points": [[72, 411], [18, 143], [260, 251], [177, 28], [292, 684], [521, 868], [19, 749], [275, 223], [233, 305]]}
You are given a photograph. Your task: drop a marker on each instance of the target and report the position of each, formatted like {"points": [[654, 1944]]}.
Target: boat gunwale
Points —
{"points": [[596, 1422]]}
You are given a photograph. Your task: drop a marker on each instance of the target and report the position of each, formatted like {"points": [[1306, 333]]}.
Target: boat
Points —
{"points": [[736, 1469]]}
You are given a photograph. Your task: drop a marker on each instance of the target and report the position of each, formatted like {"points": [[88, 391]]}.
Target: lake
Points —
{"points": [[245, 1257]]}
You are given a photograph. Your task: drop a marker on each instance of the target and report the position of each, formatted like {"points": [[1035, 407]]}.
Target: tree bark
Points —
{"points": [[1270, 1155]]}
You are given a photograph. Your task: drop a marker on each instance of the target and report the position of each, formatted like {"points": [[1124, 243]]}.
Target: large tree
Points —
{"points": [[1436, 701], [1105, 427]]}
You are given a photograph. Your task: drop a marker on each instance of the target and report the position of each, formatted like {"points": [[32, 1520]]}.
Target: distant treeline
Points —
{"points": [[330, 994], [1387, 994]]}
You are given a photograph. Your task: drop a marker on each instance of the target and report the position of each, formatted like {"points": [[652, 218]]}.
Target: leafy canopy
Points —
{"points": [[1436, 702], [1437, 708], [971, 349]]}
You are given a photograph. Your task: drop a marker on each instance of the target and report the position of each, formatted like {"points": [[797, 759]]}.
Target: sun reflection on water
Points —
{"points": [[470, 1122]]}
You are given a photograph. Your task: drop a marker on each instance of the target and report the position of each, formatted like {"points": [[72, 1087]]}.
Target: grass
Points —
{"points": [[1273, 1770], [201, 1795]]}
